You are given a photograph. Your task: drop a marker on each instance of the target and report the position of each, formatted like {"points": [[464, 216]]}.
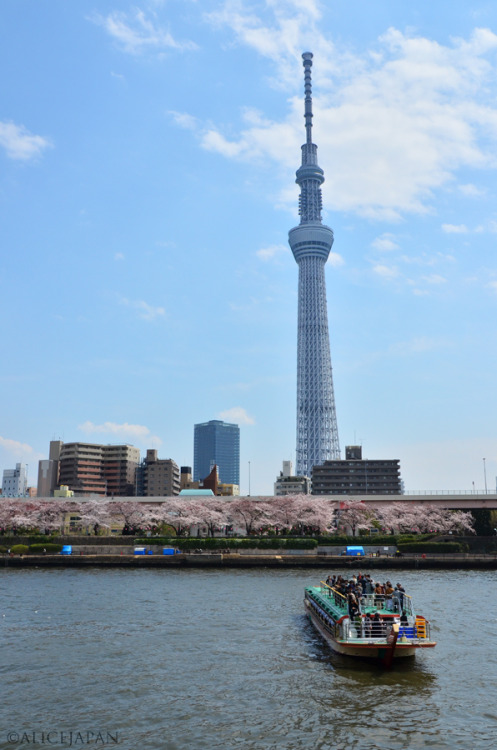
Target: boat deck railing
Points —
{"points": [[358, 629], [365, 629], [370, 602]]}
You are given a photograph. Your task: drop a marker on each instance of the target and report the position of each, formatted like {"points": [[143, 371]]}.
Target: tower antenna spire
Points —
{"points": [[307, 58]]}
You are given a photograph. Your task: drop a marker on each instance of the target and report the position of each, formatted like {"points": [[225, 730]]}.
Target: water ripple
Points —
{"points": [[188, 660]]}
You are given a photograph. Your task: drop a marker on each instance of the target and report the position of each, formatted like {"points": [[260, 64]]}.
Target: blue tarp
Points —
{"points": [[66, 549], [355, 551]]}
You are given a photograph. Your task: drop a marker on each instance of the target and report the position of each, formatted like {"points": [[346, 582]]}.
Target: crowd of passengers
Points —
{"points": [[380, 595]]}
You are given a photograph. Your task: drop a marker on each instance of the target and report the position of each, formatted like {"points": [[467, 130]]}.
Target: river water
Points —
{"points": [[204, 659]]}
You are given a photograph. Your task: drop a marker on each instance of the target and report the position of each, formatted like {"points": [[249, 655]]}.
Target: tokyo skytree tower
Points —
{"points": [[311, 241]]}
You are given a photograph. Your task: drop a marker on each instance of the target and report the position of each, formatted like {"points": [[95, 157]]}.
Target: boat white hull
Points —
{"points": [[362, 650]]}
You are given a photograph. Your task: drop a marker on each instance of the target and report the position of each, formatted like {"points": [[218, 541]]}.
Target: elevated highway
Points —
{"points": [[452, 500], [444, 499]]}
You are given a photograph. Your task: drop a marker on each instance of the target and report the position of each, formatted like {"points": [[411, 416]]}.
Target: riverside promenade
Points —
{"points": [[459, 561]]}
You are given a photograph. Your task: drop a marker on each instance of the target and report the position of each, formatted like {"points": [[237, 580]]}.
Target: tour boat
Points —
{"points": [[389, 639]]}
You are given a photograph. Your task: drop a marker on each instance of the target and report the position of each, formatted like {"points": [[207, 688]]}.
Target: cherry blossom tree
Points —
{"points": [[284, 512], [49, 515], [181, 514], [419, 518], [213, 512], [314, 513], [131, 513], [94, 514], [355, 515], [253, 513], [8, 511], [16, 515]]}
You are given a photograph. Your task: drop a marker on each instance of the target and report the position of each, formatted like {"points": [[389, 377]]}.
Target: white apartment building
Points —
{"points": [[15, 481]]}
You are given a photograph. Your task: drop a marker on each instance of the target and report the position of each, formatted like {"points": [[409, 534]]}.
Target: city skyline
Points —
{"points": [[147, 163]]}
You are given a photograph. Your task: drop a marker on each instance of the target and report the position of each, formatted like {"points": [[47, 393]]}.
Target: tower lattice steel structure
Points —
{"points": [[311, 241]]}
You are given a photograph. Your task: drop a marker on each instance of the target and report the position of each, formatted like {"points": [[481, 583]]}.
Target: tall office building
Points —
{"points": [[217, 443], [311, 241]]}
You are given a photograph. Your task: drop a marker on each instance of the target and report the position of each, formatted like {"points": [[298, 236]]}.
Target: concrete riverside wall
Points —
{"points": [[326, 563], [369, 549], [102, 549]]}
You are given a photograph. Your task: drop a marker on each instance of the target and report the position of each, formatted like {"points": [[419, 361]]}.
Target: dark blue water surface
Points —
{"points": [[203, 659]]}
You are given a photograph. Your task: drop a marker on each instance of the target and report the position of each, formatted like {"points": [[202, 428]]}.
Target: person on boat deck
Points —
{"points": [[398, 598], [368, 624], [389, 589], [378, 595], [377, 628], [402, 591], [368, 585], [353, 605]]}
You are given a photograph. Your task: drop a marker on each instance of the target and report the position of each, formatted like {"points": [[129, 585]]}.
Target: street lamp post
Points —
{"points": [[485, 475], [249, 477]]}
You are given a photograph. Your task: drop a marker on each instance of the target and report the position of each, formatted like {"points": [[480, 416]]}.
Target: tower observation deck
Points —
{"points": [[311, 242]]}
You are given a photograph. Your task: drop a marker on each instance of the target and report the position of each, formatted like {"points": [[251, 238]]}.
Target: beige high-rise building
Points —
{"points": [[48, 471], [91, 469], [157, 477]]}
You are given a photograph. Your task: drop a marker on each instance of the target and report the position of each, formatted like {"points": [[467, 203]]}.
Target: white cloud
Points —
{"points": [[455, 228], [237, 414], [214, 141], [118, 256], [272, 252], [386, 272], [184, 120], [19, 143], [135, 431], [145, 311], [385, 242], [471, 190], [15, 447], [290, 33], [492, 285], [335, 260], [435, 278], [419, 345], [396, 122], [136, 33]]}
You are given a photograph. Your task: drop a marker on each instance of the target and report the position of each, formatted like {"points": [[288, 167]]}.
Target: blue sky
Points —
{"points": [[147, 164]]}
